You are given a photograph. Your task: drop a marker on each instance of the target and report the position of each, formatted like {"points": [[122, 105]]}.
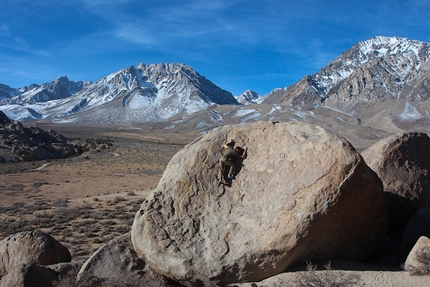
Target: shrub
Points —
{"points": [[323, 278], [116, 280]]}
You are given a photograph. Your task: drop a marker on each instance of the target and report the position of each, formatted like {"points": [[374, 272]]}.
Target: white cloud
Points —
{"points": [[135, 34]]}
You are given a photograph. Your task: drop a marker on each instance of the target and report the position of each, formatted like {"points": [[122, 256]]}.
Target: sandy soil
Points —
{"points": [[86, 201]]}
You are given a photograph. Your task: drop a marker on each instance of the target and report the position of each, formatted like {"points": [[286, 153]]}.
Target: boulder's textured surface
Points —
{"points": [[303, 193], [418, 261], [117, 262], [402, 161], [31, 275], [32, 247]]}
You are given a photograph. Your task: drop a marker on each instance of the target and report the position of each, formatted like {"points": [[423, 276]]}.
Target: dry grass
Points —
{"points": [[81, 228], [82, 202], [116, 280], [323, 278]]}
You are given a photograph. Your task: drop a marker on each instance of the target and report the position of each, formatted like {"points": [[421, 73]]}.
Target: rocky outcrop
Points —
{"points": [[32, 247], [402, 161], [4, 120], [21, 143], [302, 194], [116, 261], [418, 261]]}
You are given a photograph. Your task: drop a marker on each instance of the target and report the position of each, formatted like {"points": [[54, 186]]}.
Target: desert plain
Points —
{"points": [[85, 201]]}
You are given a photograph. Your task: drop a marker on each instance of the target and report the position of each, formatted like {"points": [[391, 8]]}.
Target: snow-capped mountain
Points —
{"points": [[144, 93], [249, 98], [60, 88], [382, 83], [376, 68]]}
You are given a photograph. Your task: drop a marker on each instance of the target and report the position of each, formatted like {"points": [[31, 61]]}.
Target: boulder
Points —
{"points": [[417, 226], [31, 275], [117, 262], [418, 261], [402, 161], [303, 194], [31, 247]]}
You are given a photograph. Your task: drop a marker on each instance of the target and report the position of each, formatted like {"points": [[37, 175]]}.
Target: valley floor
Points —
{"points": [[85, 201]]}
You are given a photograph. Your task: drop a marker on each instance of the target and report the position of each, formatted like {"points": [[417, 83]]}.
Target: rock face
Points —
{"points": [[117, 261], [402, 161], [302, 194], [33, 247]]}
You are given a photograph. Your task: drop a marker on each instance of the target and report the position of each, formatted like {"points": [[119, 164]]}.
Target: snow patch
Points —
{"points": [[336, 110], [410, 113], [244, 112], [19, 113], [201, 124], [301, 114]]}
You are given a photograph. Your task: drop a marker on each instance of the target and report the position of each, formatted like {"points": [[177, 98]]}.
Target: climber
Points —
{"points": [[229, 158]]}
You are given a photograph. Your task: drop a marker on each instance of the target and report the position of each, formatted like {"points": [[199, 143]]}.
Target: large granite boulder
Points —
{"points": [[302, 194], [402, 161], [31, 247]]}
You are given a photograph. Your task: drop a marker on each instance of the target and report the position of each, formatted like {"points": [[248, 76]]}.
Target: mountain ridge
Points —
{"points": [[147, 93], [381, 83], [316, 88]]}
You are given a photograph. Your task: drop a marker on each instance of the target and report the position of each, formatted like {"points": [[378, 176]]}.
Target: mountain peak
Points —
{"points": [[249, 97], [379, 45], [389, 62]]}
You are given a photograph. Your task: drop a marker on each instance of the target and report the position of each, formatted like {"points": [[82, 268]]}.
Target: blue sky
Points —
{"points": [[237, 44]]}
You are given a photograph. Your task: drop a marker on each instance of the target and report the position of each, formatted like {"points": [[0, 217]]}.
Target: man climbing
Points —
{"points": [[229, 158]]}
